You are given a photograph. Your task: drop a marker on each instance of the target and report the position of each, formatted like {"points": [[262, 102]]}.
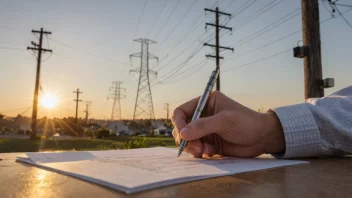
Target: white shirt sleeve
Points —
{"points": [[318, 127]]}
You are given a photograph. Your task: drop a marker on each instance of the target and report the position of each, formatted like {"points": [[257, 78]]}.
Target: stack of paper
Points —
{"points": [[141, 169]]}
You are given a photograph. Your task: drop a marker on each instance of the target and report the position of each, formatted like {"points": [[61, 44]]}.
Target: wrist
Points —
{"points": [[274, 139]]}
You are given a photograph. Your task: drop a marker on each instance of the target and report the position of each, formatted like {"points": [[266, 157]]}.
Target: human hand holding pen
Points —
{"points": [[230, 130]]}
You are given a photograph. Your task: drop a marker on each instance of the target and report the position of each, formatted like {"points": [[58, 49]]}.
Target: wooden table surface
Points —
{"points": [[322, 177]]}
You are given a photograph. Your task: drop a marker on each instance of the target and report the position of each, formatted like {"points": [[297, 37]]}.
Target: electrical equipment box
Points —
{"points": [[329, 82], [300, 51]]}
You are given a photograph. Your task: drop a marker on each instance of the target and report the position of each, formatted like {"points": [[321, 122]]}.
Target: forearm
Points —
{"points": [[319, 127]]}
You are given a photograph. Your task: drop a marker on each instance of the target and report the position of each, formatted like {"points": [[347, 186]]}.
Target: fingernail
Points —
{"points": [[184, 133]]}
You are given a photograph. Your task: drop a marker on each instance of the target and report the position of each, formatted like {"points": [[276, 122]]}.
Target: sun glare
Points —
{"points": [[49, 100]]}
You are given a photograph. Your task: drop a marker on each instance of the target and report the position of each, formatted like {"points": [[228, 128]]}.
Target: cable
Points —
{"points": [[184, 37], [265, 45], [339, 4], [180, 21], [139, 21], [229, 5], [86, 63], [162, 9], [267, 28], [167, 20], [201, 65], [259, 60], [179, 54], [180, 66], [88, 53], [247, 6], [11, 48], [215, 4], [258, 13], [343, 17]]}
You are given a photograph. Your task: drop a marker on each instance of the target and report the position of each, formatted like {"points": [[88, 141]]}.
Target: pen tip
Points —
{"points": [[179, 153]]}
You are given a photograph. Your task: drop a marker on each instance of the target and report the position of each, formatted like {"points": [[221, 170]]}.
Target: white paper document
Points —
{"points": [[136, 170]]}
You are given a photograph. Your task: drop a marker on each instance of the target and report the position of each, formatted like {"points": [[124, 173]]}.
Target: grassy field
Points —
{"points": [[120, 142]]}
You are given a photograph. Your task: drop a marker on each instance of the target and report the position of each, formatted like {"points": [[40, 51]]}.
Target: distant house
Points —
{"points": [[162, 130], [117, 127]]}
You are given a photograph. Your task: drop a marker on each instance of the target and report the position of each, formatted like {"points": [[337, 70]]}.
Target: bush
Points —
{"points": [[112, 135], [136, 143], [101, 133]]}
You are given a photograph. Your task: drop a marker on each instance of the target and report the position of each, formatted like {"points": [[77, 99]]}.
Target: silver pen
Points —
{"points": [[201, 104]]}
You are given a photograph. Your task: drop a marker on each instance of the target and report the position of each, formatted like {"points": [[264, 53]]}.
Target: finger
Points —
{"points": [[182, 113], [176, 136], [208, 149], [239, 150], [206, 126], [195, 148]]}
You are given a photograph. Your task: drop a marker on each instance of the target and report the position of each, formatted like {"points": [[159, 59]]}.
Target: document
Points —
{"points": [[137, 170]]}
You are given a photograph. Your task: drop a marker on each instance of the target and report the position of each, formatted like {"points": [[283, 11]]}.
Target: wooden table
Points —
{"points": [[323, 177]]}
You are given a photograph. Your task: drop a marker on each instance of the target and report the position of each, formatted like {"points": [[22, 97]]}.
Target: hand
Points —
{"points": [[230, 129]]}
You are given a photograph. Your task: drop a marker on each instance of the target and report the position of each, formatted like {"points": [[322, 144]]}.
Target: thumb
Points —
{"points": [[206, 126]]}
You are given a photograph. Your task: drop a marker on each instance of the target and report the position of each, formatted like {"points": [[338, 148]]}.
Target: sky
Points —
{"points": [[92, 40]]}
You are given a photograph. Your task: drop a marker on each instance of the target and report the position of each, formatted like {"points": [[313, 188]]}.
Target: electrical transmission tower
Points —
{"points": [[217, 40], [37, 47], [144, 103], [116, 95]]}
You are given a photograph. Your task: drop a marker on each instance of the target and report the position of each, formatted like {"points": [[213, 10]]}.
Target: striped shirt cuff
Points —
{"points": [[300, 130]]}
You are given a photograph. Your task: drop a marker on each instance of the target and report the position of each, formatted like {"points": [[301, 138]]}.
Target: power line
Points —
{"points": [[230, 4], [279, 39], [12, 48], [179, 54], [266, 29], [180, 21], [180, 66], [343, 17], [88, 53], [167, 20], [193, 27], [258, 13], [265, 45], [200, 66], [245, 7], [259, 60], [139, 21], [162, 9]]}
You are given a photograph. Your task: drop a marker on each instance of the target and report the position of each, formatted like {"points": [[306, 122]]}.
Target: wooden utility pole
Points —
{"points": [[37, 47], [77, 100], [217, 40], [313, 75]]}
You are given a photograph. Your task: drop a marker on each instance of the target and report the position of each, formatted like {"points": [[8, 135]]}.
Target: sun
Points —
{"points": [[49, 100]]}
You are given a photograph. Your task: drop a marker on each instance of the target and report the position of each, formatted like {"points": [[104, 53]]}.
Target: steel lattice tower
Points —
{"points": [[116, 95], [144, 103]]}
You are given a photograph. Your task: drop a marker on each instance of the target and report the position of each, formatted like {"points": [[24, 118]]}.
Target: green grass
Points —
{"points": [[21, 145]]}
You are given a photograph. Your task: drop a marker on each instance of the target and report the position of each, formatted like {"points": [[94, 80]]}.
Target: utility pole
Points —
{"points": [[77, 100], [37, 47], [88, 103], [116, 95], [217, 40], [167, 110], [313, 75], [144, 103]]}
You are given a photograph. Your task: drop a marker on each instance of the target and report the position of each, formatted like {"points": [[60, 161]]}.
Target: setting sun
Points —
{"points": [[49, 100]]}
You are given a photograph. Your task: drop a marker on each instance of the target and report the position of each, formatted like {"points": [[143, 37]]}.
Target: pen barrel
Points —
{"points": [[202, 102], [204, 98]]}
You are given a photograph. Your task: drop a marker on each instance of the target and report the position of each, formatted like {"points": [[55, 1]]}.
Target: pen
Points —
{"points": [[201, 104]]}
